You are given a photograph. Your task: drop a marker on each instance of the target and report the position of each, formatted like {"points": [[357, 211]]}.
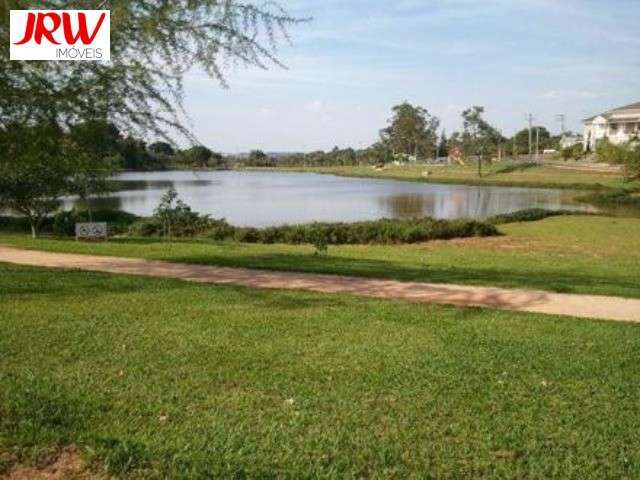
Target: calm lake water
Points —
{"points": [[273, 198]]}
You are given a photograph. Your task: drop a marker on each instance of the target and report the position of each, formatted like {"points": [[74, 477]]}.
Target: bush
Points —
{"points": [[146, 227], [529, 215], [626, 154], [323, 234], [118, 222], [572, 153]]}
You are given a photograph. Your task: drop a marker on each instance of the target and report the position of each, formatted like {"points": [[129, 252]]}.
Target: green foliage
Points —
{"points": [[162, 148], [626, 154], [412, 131], [621, 201], [529, 215], [175, 218], [372, 232], [196, 156], [257, 158], [35, 171], [153, 44], [478, 139], [572, 153], [521, 138], [117, 221]]}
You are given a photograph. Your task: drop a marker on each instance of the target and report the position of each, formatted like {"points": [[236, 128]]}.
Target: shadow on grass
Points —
{"points": [[516, 167], [562, 281]]}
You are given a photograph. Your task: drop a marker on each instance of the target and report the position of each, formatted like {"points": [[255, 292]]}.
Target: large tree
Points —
{"points": [[521, 139], [197, 155], [34, 171], [479, 138], [412, 131], [154, 43]]}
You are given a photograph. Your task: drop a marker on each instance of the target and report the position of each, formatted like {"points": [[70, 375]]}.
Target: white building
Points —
{"points": [[618, 125]]}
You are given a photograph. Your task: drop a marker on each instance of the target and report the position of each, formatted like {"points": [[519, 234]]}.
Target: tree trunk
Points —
{"points": [[34, 232], [89, 210]]}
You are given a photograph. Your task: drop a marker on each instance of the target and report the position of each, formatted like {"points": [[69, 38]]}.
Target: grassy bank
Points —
{"points": [[166, 379], [578, 254], [498, 174]]}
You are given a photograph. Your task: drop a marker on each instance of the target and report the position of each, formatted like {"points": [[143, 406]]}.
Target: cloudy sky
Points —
{"points": [[358, 58]]}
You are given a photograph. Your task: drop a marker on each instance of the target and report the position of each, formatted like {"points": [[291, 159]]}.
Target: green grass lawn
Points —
{"points": [[168, 379], [578, 254], [497, 174]]}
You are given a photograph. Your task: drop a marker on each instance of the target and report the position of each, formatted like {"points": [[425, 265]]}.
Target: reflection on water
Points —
{"points": [[273, 198]]}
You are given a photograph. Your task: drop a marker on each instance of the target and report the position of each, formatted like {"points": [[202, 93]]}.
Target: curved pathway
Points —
{"points": [[584, 306]]}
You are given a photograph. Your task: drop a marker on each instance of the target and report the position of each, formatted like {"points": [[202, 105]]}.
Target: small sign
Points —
{"points": [[95, 231]]}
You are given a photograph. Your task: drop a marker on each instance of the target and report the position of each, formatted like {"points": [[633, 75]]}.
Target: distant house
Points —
{"points": [[618, 125]]}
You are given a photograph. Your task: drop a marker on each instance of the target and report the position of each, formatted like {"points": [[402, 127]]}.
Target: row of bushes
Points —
{"points": [[63, 222], [528, 215], [371, 232]]}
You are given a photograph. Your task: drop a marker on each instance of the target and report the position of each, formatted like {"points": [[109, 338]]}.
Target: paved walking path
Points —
{"points": [[585, 306]]}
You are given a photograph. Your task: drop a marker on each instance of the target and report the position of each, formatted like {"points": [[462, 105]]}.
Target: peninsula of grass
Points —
{"points": [[572, 254], [166, 379], [498, 174]]}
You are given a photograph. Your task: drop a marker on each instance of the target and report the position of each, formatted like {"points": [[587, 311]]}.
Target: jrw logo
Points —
{"points": [[60, 35]]}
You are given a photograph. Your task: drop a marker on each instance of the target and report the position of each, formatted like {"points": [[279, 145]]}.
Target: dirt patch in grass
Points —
{"points": [[65, 464]]}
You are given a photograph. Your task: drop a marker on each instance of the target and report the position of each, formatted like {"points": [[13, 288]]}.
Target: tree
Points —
{"points": [[412, 131], [216, 160], [443, 145], [479, 138], [197, 156], [258, 158], [93, 150], [34, 171], [162, 149], [522, 139], [153, 44], [626, 154], [134, 154]]}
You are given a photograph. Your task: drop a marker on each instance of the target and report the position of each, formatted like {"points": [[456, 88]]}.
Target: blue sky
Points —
{"points": [[358, 58]]}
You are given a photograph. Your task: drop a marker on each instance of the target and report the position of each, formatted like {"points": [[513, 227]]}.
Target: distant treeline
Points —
{"points": [[135, 154], [414, 135]]}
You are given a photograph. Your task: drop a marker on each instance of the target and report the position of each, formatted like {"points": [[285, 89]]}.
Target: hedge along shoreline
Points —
{"points": [[193, 225], [384, 231]]}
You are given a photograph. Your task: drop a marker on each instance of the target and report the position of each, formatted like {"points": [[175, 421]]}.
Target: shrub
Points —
{"points": [[572, 153], [529, 215], [321, 235], [118, 222], [247, 235], [383, 231], [146, 227], [626, 154]]}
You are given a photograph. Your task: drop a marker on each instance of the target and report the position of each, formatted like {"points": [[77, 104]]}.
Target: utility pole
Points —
{"points": [[530, 120], [561, 118], [537, 144]]}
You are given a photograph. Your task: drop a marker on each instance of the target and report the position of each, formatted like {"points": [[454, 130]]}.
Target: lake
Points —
{"points": [[273, 198]]}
